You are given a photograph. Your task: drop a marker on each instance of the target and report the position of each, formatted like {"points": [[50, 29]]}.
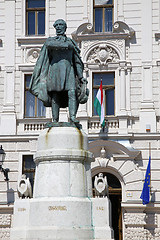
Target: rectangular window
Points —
{"points": [[28, 168], [108, 91], [103, 15], [35, 17], [33, 106]]}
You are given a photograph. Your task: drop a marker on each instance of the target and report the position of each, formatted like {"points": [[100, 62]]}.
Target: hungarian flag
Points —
{"points": [[98, 104]]}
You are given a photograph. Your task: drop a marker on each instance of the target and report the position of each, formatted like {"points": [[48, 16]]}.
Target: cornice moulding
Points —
{"points": [[26, 67], [31, 40]]}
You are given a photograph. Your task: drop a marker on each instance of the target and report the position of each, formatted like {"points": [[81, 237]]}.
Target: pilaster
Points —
{"points": [[8, 116], [121, 10], [61, 9], [85, 11], [147, 113]]}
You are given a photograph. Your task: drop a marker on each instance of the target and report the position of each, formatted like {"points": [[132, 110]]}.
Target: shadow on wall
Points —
{"points": [[10, 195]]}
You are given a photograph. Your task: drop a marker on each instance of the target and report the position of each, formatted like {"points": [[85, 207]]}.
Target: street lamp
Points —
{"points": [[4, 170]]}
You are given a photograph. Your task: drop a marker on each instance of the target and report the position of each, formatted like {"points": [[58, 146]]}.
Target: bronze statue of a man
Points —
{"points": [[57, 79]]}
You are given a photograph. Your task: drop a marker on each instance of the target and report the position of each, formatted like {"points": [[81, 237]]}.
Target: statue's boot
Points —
{"points": [[72, 105], [55, 107]]}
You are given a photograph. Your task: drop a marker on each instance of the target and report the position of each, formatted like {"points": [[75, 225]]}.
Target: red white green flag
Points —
{"points": [[98, 104]]}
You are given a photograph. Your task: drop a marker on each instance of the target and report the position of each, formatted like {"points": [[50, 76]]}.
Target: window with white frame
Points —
{"points": [[33, 107], [35, 17], [103, 15], [108, 84], [28, 168]]}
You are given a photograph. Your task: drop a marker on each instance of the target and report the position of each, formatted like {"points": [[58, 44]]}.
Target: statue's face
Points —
{"points": [[60, 27]]}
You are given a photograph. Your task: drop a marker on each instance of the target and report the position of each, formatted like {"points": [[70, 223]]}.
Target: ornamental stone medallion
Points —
{"points": [[32, 55], [102, 54]]}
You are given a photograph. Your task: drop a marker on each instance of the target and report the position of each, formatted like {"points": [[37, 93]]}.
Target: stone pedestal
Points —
{"points": [[62, 206], [63, 164], [101, 218]]}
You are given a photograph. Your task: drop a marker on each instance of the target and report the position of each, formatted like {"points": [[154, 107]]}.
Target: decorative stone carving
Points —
{"points": [[101, 186], [121, 27], [102, 160], [133, 233], [5, 233], [102, 54], [32, 55], [9, 69], [24, 187], [86, 44], [134, 218], [150, 234], [119, 43], [5, 220], [85, 28], [157, 233]]}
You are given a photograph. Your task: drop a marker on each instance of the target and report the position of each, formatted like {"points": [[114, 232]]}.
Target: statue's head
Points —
{"points": [[60, 26]]}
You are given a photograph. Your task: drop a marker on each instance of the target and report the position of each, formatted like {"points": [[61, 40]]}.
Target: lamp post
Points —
{"points": [[4, 170]]}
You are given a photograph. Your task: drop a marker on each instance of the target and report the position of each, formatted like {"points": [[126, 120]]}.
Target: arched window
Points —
{"points": [[103, 15], [35, 17]]}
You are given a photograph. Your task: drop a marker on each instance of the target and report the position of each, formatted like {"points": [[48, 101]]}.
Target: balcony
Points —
{"points": [[34, 126], [31, 125], [111, 125]]}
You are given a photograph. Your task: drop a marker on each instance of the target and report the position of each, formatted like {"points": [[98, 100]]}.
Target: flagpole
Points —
{"points": [[150, 164], [104, 120], [146, 191], [103, 127]]}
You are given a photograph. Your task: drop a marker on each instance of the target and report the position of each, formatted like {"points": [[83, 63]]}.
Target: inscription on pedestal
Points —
{"points": [[21, 209], [57, 208], [100, 208]]}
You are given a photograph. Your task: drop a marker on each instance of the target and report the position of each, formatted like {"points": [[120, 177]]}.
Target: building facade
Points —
{"points": [[120, 45]]}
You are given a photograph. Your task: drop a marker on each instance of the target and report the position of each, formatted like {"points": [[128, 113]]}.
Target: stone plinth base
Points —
{"points": [[53, 218], [62, 218]]}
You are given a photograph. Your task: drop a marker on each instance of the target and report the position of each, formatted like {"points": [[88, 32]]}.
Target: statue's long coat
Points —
{"points": [[56, 70]]}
